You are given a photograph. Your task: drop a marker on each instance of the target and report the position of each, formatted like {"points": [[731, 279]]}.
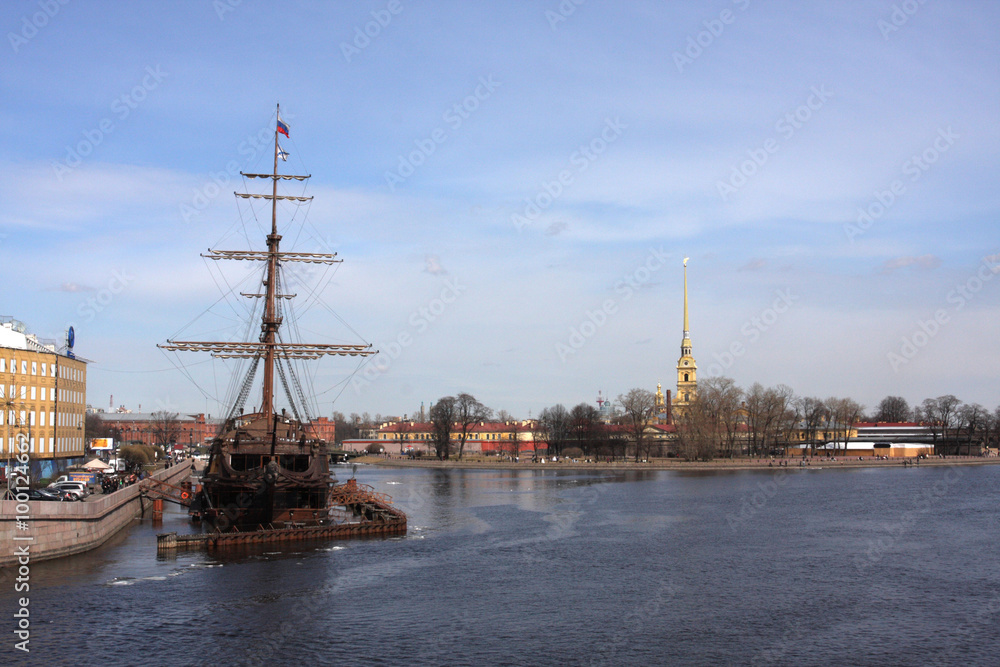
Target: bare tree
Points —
{"points": [[722, 398], [443, 420], [539, 435], [991, 437], [583, 422], [468, 412], [697, 433], [811, 413], [343, 429], [844, 413], [504, 416], [555, 421], [637, 406], [973, 419], [165, 426], [513, 444], [769, 416], [941, 413], [892, 409]]}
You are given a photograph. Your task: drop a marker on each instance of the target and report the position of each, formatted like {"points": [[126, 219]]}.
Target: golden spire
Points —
{"points": [[686, 328]]}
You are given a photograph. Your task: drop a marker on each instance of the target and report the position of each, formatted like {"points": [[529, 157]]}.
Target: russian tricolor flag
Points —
{"points": [[282, 126]]}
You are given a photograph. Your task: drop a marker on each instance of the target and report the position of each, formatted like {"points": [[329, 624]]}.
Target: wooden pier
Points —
{"points": [[217, 540], [373, 515]]}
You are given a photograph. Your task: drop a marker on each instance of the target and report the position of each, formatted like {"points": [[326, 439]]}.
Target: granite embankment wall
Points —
{"points": [[61, 529]]}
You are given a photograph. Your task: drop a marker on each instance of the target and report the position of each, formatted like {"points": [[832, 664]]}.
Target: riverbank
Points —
{"points": [[677, 465], [49, 530]]}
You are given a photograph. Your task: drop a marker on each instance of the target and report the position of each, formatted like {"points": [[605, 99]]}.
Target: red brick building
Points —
{"points": [[187, 430]]}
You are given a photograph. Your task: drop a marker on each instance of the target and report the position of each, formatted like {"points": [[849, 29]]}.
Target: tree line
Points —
{"points": [[725, 421]]}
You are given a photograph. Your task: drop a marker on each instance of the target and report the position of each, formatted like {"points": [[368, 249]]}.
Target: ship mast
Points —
{"points": [[268, 348], [269, 326]]}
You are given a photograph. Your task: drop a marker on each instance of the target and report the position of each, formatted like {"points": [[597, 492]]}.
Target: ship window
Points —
{"points": [[244, 462], [295, 462]]}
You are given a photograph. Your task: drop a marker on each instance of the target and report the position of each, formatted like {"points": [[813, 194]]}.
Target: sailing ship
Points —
{"points": [[269, 469]]}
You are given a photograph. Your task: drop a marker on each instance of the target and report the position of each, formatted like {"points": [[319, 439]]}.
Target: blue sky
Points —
{"points": [[513, 188]]}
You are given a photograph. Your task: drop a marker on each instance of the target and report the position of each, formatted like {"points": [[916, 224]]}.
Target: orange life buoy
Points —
{"points": [[184, 495]]}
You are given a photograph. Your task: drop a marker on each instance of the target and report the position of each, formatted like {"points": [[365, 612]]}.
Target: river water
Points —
{"points": [[818, 567]]}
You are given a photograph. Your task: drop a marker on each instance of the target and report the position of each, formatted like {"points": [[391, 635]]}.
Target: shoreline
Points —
{"points": [[674, 465]]}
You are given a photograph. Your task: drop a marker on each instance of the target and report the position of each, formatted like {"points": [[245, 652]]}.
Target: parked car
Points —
{"points": [[76, 488], [46, 494]]}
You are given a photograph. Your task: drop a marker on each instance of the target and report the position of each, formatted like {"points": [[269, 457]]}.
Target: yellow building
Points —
{"points": [[43, 395], [687, 369]]}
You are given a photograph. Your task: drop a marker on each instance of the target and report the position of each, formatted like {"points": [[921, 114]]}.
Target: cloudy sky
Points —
{"points": [[513, 188]]}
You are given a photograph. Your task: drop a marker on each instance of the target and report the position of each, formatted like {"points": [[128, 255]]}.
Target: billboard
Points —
{"points": [[103, 444]]}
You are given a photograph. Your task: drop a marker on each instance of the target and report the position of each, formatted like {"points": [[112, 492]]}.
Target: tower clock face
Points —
{"points": [[685, 363]]}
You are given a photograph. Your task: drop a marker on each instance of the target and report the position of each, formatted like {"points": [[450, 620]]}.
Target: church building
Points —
{"points": [[687, 369]]}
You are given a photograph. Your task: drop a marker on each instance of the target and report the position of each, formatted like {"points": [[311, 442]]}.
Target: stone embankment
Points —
{"points": [[824, 463], [61, 529]]}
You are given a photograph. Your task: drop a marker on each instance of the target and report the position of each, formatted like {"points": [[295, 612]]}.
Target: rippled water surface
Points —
{"points": [[874, 567]]}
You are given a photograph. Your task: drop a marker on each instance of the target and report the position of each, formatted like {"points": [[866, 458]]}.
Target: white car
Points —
{"points": [[76, 488]]}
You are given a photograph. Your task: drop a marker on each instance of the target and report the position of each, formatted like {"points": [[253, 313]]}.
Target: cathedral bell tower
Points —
{"points": [[687, 382]]}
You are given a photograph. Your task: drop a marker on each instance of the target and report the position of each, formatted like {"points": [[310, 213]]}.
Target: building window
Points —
{"points": [[33, 393], [3, 365], [34, 368], [43, 369], [24, 367], [52, 370]]}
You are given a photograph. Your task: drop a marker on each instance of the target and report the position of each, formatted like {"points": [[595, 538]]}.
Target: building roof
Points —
{"points": [[891, 425], [861, 445], [14, 335], [148, 417], [427, 427]]}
